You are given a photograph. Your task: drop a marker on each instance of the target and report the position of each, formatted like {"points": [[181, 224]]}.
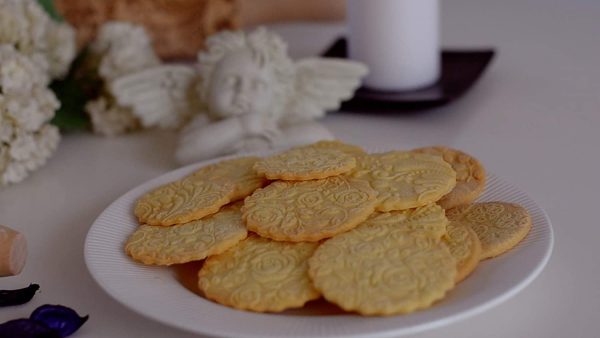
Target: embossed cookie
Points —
{"points": [[382, 270], [308, 210], [498, 225], [260, 275], [341, 146], [405, 180], [470, 175], [428, 220], [187, 242], [182, 201], [238, 171], [465, 247], [305, 163]]}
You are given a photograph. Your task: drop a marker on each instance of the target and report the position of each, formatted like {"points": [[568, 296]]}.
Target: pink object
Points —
{"points": [[13, 251]]}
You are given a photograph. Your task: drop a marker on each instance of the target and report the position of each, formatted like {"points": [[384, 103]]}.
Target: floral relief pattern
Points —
{"points": [[470, 175], [187, 242], [308, 210], [306, 163], [406, 180], [260, 275], [498, 225], [382, 270], [465, 247], [429, 220], [238, 171], [182, 201], [349, 149]]}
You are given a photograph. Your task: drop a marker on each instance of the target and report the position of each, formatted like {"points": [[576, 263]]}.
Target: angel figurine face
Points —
{"points": [[241, 84]]}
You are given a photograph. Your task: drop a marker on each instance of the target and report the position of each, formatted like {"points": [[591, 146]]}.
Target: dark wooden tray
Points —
{"points": [[460, 70]]}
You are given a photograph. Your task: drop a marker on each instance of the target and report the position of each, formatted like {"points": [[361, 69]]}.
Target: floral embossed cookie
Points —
{"points": [[390, 246], [308, 210], [470, 175], [405, 180], [238, 171], [428, 220], [182, 201], [465, 246], [306, 163], [382, 270], [187, 242], [260, 275], [498, 225], [341, 146]]}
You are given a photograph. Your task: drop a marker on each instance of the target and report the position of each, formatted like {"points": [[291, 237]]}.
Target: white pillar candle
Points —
{"points": [[397, 39]]}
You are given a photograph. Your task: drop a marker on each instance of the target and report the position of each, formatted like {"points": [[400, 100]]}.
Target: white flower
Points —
{"points": [[27, 27], [27, 153], [26, 106], [110, 120], [32, 111], [26, 101], [124, 48], [38, 26], [6, 129], [13, 22], [15, 172], [7, 124], [47, 140], [23, 24], [19, 73], [61, 49], [23, 146], [4, 158]]}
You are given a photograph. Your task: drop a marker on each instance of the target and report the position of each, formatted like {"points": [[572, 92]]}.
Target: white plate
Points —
{"points": [[158, 292]]}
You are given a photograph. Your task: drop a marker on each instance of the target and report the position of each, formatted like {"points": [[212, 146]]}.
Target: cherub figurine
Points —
{"points": [[246, 95]]}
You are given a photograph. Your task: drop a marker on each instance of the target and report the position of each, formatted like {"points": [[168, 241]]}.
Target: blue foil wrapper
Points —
{"points": [[59, 318]]}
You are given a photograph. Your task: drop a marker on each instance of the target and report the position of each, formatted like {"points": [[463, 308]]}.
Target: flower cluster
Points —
{"points": [[120, 48], [26, 107], [27, 27]]}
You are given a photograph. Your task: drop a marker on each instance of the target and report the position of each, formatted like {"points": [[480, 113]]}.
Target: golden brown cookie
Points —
{"points": [[470, 175], [238, 171], [341, 146], [498, 225], [305, 163], [405, 180], [382, 270], [260, 275], [308, 210], [187, 242], [428, 220], [182, 201], [465, 247]]}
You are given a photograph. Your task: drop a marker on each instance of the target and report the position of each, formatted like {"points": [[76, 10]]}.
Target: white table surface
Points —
{"points": [[533, 119]]}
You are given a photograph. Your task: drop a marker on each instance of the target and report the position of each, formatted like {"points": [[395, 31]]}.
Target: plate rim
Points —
{"points": [[415, 328]]}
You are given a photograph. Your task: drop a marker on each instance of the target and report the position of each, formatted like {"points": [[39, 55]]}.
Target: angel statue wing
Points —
{"points": [[321, 85], [160, 96]]}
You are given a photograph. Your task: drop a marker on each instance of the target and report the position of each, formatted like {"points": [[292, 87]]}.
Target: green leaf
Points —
{"points": [[68, 122], [71, 115], [80, 85], [48, 6]]}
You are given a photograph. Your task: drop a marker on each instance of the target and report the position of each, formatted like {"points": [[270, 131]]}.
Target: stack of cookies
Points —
{"points": [[377, 234]]}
